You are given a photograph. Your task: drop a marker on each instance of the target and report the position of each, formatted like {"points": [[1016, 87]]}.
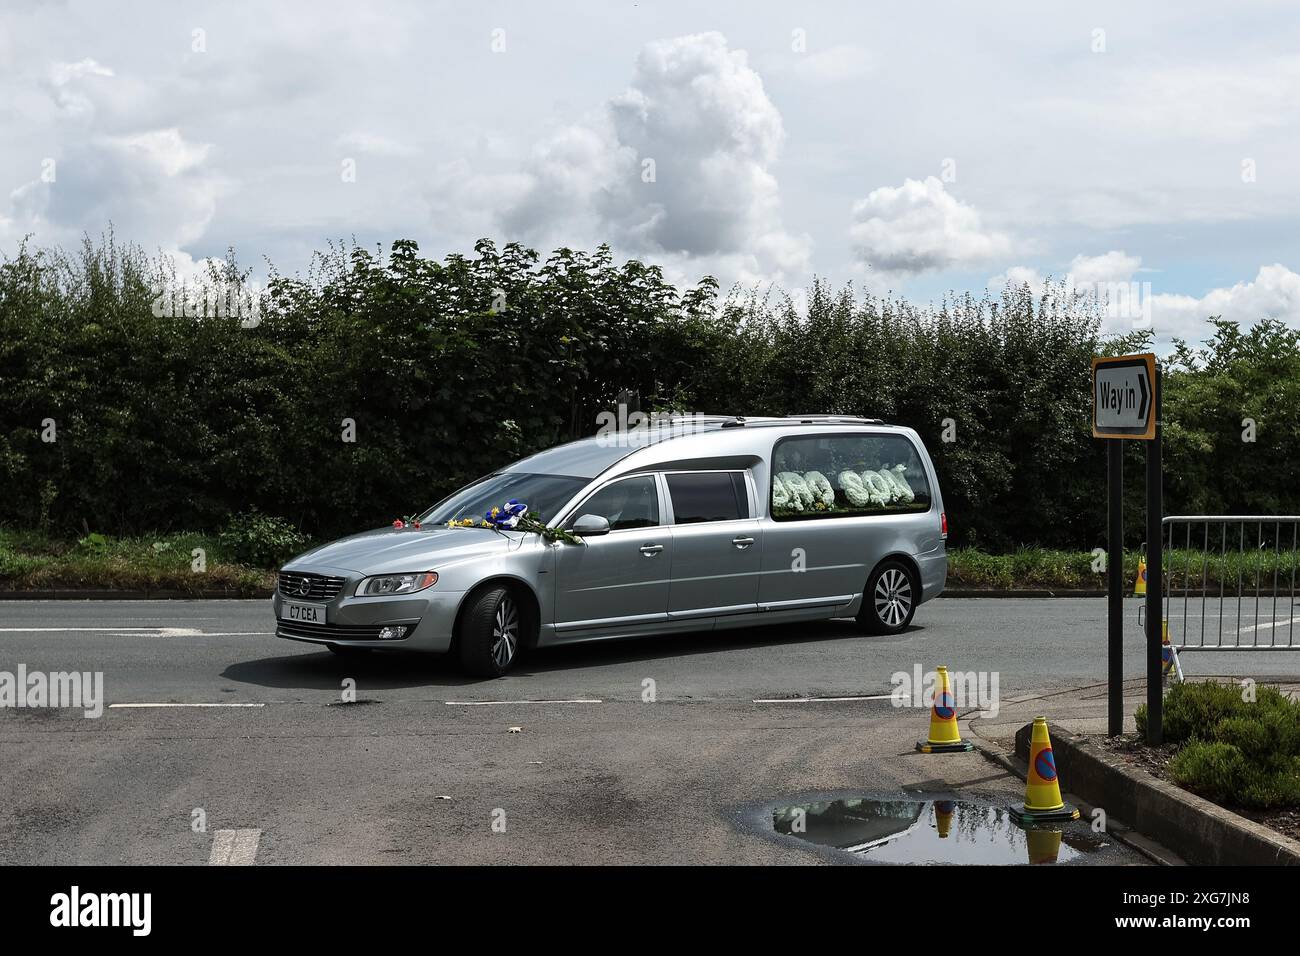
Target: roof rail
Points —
{"points": [[835, 419]]}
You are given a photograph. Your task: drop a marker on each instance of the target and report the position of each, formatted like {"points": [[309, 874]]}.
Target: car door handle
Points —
{"points": [[742, 542], [650, 550]]}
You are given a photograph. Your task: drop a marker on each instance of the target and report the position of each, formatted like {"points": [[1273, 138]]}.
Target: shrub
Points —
{"points": [[1192, 710], [261, 541], [1234, 751], [1221, 772], [1214, 770]]}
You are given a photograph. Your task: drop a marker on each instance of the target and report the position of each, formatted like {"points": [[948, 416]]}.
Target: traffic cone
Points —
{"points": [[1043, 845], [1043, 803], [944, 736], [943, 817], [1140, 588]]}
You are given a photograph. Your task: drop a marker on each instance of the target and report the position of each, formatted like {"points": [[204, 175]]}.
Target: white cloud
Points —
{"points": [[918, 227], [679, 167], [66, 87], [1112, 278], [164, 148], [1273, 294], [152, 188], [1212, 102], [61, 74], [1086, 273]]}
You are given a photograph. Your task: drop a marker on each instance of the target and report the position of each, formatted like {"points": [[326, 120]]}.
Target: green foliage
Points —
{"points": [[173, 418], [94, 543], [260, 541], [1222, 772], [1235, 751], [32, 560]]}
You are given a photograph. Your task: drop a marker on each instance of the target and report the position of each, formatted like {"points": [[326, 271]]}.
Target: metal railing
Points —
{"points": [[1235, 579]]}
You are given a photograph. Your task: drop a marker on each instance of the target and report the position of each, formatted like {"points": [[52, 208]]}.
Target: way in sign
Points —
{"points": [[1120, 398]]}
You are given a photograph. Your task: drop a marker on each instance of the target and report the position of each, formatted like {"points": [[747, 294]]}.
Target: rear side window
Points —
{"points": [[828, 476], [708, 496]]}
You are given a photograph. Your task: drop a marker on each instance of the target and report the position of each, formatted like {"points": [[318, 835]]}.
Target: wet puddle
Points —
{"points": [[932, 831]]}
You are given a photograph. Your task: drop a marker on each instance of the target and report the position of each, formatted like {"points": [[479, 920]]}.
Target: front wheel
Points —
{"points": [[889, 600], [490, 632]]}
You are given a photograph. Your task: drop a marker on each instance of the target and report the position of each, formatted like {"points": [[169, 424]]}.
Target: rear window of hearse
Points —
{"points": [[828, 476]]}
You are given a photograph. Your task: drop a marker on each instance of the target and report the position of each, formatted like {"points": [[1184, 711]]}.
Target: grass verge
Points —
{"points": [[243, 557], [187, 563]]}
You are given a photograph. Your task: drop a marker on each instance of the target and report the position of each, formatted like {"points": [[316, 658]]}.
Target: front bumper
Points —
{"points": [[356, 622]]}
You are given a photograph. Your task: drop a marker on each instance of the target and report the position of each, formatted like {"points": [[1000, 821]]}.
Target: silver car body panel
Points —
{"points": [[635, 581]]}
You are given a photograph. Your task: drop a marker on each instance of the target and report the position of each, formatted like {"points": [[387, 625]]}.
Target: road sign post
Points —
{"points": [[1115, 587], [1126, 407], [1155, 566]]}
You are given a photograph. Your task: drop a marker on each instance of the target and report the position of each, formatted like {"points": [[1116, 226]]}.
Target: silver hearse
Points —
{"points": [[687, 524]]}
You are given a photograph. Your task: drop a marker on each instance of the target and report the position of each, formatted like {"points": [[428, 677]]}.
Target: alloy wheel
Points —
{"points": [[505, 632], [893, 597]]}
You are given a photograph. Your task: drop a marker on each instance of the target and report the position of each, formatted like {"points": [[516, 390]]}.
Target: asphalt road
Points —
{"points": [[425, 767]]}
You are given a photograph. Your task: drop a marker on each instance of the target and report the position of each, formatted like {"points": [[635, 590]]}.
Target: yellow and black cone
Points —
{"points": [[1044, 846], [943, 810], [944, 737], [1166, 649], [1043, 803], [1140, 588]]}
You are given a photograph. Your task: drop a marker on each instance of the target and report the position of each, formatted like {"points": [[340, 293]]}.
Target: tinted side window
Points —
{"points": [[709, 496], [631, 503], [845, 475]]}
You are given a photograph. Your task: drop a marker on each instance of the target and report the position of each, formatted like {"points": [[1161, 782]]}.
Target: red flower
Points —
{"points": [[417, 526], [399, 523]]}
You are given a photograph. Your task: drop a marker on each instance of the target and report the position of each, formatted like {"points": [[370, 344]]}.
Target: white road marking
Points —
{"points": [[224, 704], [234, 847], [488, 703], [818, 700], [1271, 624], [134, 631]]}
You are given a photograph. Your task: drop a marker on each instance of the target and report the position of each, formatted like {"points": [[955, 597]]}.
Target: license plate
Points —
{"points": [[302, 613]]}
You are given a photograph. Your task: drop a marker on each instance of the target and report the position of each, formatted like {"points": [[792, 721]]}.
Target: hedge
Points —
{"points": [[166, 417]]}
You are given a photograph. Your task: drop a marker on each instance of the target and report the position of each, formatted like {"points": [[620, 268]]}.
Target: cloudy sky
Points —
{"points": [[905, 148]]}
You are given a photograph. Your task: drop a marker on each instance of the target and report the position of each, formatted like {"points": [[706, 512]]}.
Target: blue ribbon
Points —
{"points": [[508, 516]]}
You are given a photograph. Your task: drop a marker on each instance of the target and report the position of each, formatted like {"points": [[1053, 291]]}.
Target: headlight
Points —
{"points": [[397, 583]]}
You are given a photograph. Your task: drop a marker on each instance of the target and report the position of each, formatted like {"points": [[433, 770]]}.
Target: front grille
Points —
{"points": [[338, 632], [320, 587]]}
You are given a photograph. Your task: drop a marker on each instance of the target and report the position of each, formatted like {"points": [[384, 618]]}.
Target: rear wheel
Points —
{"points": [[490, 633], [890, 599]]}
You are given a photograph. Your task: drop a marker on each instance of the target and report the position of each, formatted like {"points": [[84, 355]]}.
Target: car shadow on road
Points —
{"points": [[390, 670], [667, 646]]}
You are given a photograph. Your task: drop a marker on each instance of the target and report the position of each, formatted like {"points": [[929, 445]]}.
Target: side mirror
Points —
{"points": [[590, 526]]}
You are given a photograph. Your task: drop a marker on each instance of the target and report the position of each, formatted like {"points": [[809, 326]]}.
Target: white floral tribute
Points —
{"points": [[899, 475], [878, 487], [882, 492], [780, 493], [801, 496], [821, 488], [813, 491], [856, 490]]}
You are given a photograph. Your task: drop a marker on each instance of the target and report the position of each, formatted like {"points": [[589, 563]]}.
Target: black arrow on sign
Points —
{"points": [[1142, 386]]}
